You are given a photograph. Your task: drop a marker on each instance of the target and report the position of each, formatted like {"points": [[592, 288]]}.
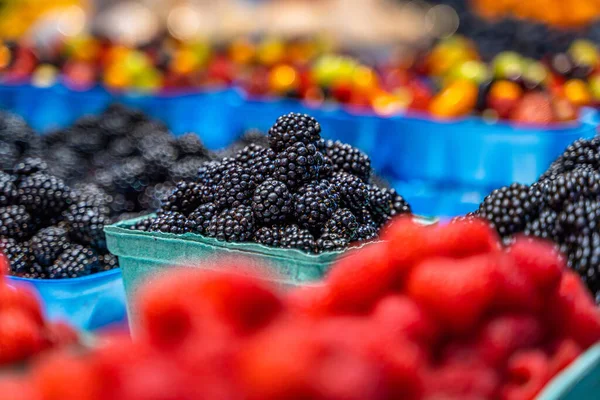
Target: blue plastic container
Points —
{"points": [[87, 303]]}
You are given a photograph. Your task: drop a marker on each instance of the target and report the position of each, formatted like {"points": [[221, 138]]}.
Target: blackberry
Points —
{"points": [[262, 165], [509, 208], [544, 226], [236, 187], [300, 163], [293, 128], [343, 224], [269, 236], [354, 193], [44, 194], [30, 165], [365, 232], [142, 225], [296, 238], [582, 182], [315, 204], [15, 222], [399, 204], [202, 216], [86, 223], [74, 262], [347, 158], [8, 190], [190, 144], [171, 222], [584, 258], [185, 197], [232, 225], [48, 243], [92, 194], [18, 254], [579, 218], [107, 262], [580, 152], [245, 156], [211, 175], [272, 202], [186, 169], [380, 204], [331, 242]]}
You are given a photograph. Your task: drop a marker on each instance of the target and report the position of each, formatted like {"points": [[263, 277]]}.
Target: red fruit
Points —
{"points": [[456, 292], [456, 381], [20, 336], [64, 377], [572, 311], [406, 241], [539, 260], [534, 108], [502, 105], [462, 353], [563, 354], [309, 300], [527, 374], [342, 92], [462, 238], [17, 389], [358, 280], [500, 337], [21, 297], [61, 334], [402, 317], [421, 95], [515, 291]]}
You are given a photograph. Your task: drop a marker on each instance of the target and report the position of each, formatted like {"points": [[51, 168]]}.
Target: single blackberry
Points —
{"points": [[245, 156], [18, 254], [293, 128], [186, 169], [509, 208], [30, 165], [235, 188], [142, 225], [380, 204], [300, 163], [210, 175], [15, 222], [342, 223], [202, 216], [172, 222], [315, 204], [155, 195], [347, 158], [185, 197], [107, 262], [48, 243], [74, 262], [295, 237], [8, 190], [232, 225], [269, 236], [190, 144], [262, 165], [581, 182], [272, 202], [354, 193], [544, 226], [86, 223], [584, 258], [399, 204], [43, 194], [331, 242]]}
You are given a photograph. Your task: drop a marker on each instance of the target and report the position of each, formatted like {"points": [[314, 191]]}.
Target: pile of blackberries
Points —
{"points": [[562, 206], [298, 192]]}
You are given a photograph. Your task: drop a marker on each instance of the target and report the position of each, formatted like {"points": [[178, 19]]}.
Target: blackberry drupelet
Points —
{"points": [[509, 208], [232, 225], [74, 262], [107, 262], [86, 223], [349, 159], [30, 165], [236, 187], [190, 144], [44, 194], [8, 190], [544, 226], [185, 198], [399, 204], [295, 237], [18, 254], [331, 242], [15, 222], [202, 216], [171, 222], [293, 128], [48, 243], [315, 204], [272, 202], [354, 193], [300, 163], [380, 204], [342, 223], [269, 236]]}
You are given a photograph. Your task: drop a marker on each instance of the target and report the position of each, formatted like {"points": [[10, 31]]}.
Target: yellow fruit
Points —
{"points": [[577, 92], [455, 100]]}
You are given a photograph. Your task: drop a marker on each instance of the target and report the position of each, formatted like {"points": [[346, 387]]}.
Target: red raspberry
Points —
{"points": [[456, 292], [61, 334], [360, 279], [462, 238], [309, 300], [20, 336], [403, 317], [563, 354], [539, 260], [527, 374], [17, 389], [22, 297], [503, 335], [515, 291], [406, 244], [457, 381], [465, 353], [64, 377]]}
